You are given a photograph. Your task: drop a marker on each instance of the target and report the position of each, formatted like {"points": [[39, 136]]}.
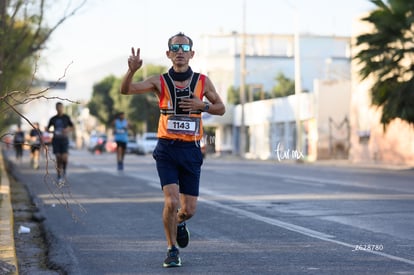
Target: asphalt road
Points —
{"points": [[253, 217]]}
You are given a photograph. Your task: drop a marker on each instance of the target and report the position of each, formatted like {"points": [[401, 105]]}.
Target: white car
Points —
{"points": [[147, 143], [132, 146]]}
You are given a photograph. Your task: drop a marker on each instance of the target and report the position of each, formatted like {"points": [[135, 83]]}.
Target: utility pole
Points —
{"points": [[242, 143], [298, 78], [298, 84]]}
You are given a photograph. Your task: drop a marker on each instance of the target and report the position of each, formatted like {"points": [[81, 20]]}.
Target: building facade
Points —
{"points": [[370, 142], [271, 124]]}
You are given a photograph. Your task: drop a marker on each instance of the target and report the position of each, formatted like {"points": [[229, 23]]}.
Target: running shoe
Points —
{"points": [[60, 181], [183, 235], [173, 258]]}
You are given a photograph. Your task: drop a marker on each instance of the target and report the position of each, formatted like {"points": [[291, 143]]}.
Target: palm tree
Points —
{"points": [[387, 56]]}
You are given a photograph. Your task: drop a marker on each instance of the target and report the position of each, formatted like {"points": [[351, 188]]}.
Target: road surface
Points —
{"points": [[253, 217]]}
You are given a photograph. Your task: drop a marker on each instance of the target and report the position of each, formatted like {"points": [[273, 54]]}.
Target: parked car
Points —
{"points": [[47, 138], [72, 144], [203, 148], [132, 146], [147, 143], [110, 146], [97, 142]]}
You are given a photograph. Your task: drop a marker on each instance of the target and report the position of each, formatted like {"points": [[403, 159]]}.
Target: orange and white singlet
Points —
{"points": [[174, 123]]}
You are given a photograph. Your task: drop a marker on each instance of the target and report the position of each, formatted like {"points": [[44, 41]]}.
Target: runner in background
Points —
{"points": [[62, 126], [18, 142], [120, 126], [35, 144]]}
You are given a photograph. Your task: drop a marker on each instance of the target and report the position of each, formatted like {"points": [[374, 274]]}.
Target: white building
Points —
{"points": [[271, 124]]}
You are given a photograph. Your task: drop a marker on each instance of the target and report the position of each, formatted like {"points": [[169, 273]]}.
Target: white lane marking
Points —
{"points": [[304, 182], [271, 221], [298, 229]]}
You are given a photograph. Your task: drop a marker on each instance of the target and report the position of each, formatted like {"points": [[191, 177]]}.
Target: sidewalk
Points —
{"points": [[8, 259], [366, 165], [328, 162]]}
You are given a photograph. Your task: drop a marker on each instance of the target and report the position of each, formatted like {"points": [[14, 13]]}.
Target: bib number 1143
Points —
{"points": [[188, 126], [184, 125]]}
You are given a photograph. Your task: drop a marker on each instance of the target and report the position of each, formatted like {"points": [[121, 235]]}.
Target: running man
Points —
{"points": [[120, 126], [18, 142], [35, 144], [62, 126], [178, 156]]}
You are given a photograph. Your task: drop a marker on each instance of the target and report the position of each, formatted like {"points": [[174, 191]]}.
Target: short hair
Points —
{"points": [[180, 34], [59, 104]]}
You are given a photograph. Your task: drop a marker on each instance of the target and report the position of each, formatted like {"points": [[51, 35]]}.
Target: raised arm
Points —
{"points": [[128, 87]]}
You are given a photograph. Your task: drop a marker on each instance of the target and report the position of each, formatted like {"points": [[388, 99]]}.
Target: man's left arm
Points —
{"points": [[49, 125], [216, 106], [70, 127]]}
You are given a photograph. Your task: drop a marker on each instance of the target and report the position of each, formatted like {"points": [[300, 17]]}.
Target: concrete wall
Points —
{"points": [[332, 115], [370, 143]]}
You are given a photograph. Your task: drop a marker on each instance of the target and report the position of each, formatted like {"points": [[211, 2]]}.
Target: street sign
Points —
{"points": [[55, 85]]}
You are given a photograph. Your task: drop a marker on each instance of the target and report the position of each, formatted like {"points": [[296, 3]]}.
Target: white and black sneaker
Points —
{"points": [[173, 258]]}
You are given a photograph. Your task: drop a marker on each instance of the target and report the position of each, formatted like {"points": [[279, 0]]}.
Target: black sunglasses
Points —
{"points": [[176, 47]]}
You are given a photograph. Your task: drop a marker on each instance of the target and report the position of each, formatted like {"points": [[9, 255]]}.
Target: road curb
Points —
{"points": [[8, 256]]}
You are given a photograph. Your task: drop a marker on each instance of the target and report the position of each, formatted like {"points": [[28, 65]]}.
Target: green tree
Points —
{"points": [[101, 104], [120, 102], [387, 56], [23, 33], [284, 86], [233, 95], [141, 110], [144, 108]]}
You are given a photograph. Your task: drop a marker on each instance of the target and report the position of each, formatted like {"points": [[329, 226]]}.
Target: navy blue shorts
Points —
{"points": [[179, 162], [121, 144], [60, 145]]}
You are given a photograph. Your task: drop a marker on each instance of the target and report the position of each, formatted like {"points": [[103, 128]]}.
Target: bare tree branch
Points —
{"points": [[24, 32], [60, 192], [63, 19]]}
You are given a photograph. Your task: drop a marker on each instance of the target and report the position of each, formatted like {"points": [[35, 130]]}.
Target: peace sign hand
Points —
{"points": [[134, 61]]}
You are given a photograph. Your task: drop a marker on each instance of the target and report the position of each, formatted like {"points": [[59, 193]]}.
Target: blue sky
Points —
{"points": [[105, 30]]}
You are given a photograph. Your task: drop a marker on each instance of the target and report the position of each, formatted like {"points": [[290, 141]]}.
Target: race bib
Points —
{"points": [[59, 132], [183, 125], [120, 131]]}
